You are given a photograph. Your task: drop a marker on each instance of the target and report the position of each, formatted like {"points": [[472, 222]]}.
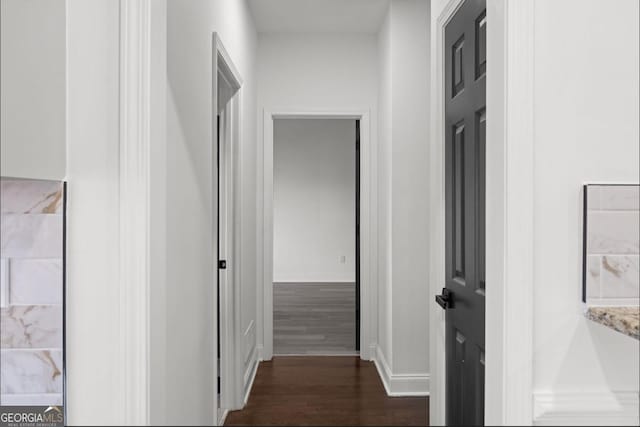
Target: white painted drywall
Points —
{"points": [[158, 367], [410, 75], [403, 179], [190, 180], [314, 200], [312, 16], [317, 71], [384, 188], [586, 131], [94, 377], [32, 88], [313, 72]]}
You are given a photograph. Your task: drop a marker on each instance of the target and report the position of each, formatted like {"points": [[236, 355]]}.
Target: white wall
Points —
{"points": [[586, 131], [384, 189], [403, 45], [410, 177], [313, 72], [314, 200], [158, 225], [317, 71], [190, 175], [32, 88], [94, 380]]}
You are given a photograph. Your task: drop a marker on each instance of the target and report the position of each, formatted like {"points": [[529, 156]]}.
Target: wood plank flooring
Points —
{"points": [[325, 391], [317, 318]]}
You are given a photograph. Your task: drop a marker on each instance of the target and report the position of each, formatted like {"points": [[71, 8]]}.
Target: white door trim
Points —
{"points": [[231, 363], [509, 246], [135, 222], [368, 229]]}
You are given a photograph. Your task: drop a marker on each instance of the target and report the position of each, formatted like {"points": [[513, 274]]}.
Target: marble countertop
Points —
{"points": [[621, 319]]}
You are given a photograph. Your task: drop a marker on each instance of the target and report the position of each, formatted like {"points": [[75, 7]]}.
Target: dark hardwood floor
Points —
{"points": [[325, 391]]}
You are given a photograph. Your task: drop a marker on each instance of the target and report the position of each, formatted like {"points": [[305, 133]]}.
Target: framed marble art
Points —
{"points": [[611, 245], [32, 303]]}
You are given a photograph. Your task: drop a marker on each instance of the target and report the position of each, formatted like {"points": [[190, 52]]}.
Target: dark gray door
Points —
{"points": [[464, 294]]}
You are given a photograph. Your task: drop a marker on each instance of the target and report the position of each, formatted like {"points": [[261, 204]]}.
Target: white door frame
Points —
{"points": [[509, 227], [135, 261], [230, 128], [368, 230]]}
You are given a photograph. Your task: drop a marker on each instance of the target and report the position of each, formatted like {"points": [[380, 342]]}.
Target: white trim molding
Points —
{"points": [[400, 384], [586, 408], [437, 351], [222, 417], [260, 353], [232, 338], [510, 222], [250, 375], [134, 187]]}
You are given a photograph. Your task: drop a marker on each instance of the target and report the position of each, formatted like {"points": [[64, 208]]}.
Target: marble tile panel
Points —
{"points": [[31, 326], [30, 196], [30, 371], [52, 399], [620, 197], [31, 236], [593, 197], [594, 264], [4, 282], [36, 281], [620, 276], [611, 232]]}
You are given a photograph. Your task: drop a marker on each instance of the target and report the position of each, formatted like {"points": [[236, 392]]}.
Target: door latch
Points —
{"points": [[445, 299], [222, 264]]}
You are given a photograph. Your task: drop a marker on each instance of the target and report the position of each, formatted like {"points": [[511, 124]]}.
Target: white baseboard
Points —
{"points": [[586, 408], [371, 355], [260, 352], [250, 375], [400, 384], [314, 282], [222, 416]]}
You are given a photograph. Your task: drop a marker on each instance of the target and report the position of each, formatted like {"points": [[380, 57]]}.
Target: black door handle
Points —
{"points": [[445, 300]]}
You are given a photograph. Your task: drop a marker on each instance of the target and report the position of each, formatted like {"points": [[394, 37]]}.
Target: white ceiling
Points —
{"points": [[318, 16]]}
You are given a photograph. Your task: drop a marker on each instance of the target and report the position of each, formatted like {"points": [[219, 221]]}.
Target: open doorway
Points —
{"points": [[367, 240], [316, 244]]}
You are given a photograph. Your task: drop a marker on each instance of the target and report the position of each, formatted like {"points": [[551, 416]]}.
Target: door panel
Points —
{"points": [[465, 115], [458, 202]]}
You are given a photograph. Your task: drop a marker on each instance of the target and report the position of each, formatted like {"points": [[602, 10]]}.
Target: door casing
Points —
{"points": [[368, 227], [231, 365], [509, 212]]}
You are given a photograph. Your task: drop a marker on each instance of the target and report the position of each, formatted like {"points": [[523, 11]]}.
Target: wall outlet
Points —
{"points": [[343, 259]]}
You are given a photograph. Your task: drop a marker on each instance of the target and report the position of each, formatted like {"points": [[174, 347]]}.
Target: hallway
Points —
{"points": [[320, 212], [316, 391]]}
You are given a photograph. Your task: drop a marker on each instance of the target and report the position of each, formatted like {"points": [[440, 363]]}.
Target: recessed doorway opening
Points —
{"points": [[316, 307], [362, 235]]}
